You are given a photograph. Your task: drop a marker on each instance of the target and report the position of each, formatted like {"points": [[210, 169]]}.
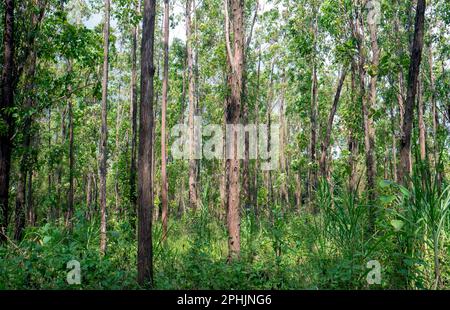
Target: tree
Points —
{"points": [[164, 186], [104, 130], [29, 102], [326, 141], [6, 121], [235, 56], [369, 131], [193, 199], [413, 75], [133, 111], [312, 182], [369, 142], [145, 182]]}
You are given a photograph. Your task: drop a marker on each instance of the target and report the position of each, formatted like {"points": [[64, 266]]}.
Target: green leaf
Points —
{"points": [[397, 224]]}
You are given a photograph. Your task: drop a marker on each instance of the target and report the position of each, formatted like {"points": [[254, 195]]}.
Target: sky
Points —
{"points": [[178, 10]]}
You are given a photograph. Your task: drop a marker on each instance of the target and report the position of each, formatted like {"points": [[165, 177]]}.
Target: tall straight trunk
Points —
{"points": [[235, 55], [394, 145], [193, 199], [133, 114], [119, 112], [268, 173], [434, 116], [70, 193], [25, 162], [104, 131], [369, 139], [326, 141], [284, 195], [155, 188], [145, 182], [420, 108], [164, 187], [400, 83], [7, 101], [60, 169], [366, 106], [255, 176], [312, 182], [52, 211], [413, 75], [352, 142], [182, 204]]}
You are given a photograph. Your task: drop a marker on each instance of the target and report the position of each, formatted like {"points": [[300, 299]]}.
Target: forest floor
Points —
{"points": [[279, 250]]}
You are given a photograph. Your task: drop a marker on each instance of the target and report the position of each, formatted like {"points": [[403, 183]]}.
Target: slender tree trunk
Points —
{"points": [[164, 187], [326, 142], [70, 193], [368, 120], [193, 199], [255, 176], [118, 152], [435, 117], [366, 105], [133, 114], [235, 54], [312, 182], [104, 131], [420, 107], [284, 195], [352, 142], [7, 101], [413, 75], [394, 145], [145, 182]]}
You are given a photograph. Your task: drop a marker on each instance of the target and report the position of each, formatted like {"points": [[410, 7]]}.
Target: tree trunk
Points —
{"points": [[25, 162], [413, 74], [145, 182], [70, 193], [326, 142], [104, 131], [255, 176], [235, 55], [420, 107], [284, 195], [193, 199], [312, 182], [7, 101], [352, 142], [368, 121], [366, 105], [435, 117], [164, 187], [133, 114]]}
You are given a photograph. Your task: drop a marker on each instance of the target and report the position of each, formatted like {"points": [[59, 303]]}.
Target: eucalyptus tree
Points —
{"points": [[145, 182]]}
